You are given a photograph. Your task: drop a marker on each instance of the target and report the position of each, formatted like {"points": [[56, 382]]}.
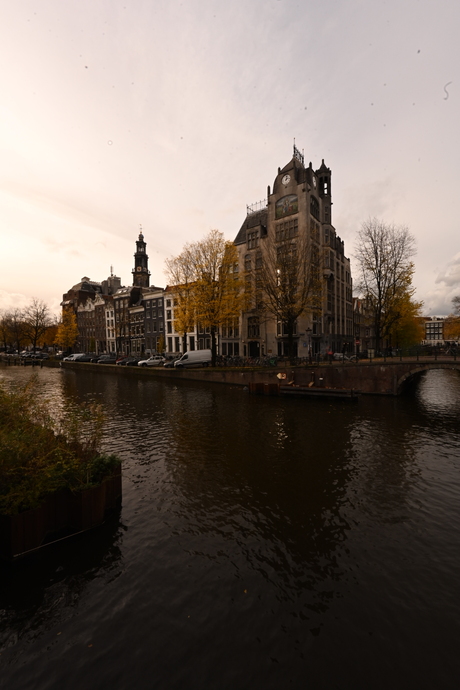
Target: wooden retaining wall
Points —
{"points": [[62, 514]]}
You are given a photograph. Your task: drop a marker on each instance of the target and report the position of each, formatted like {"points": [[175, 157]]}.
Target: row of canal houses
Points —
{"points": [[127, 320], [139, 319]]}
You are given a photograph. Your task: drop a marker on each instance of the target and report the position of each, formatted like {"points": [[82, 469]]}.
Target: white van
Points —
{"points": [[194, 358]]}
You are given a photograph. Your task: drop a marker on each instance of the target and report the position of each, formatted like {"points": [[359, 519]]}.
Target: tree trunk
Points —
{"points": [[213, 347], [290, 330]]}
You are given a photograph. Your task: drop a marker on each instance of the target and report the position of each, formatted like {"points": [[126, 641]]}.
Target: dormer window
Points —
{"points": [[253, 239]]}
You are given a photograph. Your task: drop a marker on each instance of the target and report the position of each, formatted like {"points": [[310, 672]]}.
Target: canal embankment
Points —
{"points": [[378, 377]]}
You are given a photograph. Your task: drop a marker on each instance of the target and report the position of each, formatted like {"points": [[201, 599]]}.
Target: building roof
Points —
{"points": [[252, 220]]}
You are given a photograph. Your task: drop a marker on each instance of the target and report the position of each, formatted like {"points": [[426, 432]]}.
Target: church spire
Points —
{"points": [[141, 273]]}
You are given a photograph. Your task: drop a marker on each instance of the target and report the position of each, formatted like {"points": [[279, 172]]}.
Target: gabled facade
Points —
{"points": [[123, 300], [174, 340], [154, 328], [91, 322]]}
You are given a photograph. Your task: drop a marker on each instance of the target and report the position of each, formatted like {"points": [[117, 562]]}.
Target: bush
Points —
{"points": [[40, 454]]}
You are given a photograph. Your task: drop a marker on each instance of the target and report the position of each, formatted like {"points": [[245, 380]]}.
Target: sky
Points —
{"points": [[173, 116]]}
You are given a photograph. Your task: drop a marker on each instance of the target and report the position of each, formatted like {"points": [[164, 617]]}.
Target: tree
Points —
{"points": [[5, 331], [16, 327], [161, 343], [181, 274], [408, 329], [37, 319], [456, 304], [213, 292], [67, 331], [49, 336], [452, 323], [384, 254], [287, 281]]}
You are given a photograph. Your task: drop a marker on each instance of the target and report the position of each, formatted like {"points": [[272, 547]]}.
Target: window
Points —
{"points": [[253, 239], [287, 229], [253, 327], [281, 329], [314, 231], [314, 207], [247, 262]]}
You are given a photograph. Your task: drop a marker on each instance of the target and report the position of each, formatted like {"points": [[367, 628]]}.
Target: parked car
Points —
{"points": [[129, 360], [171, 362], [194, 358], [107, 359], [85, 358], [153, 361], [133, 362], [40, 355], [121, 361], [71, 358], [345, 358]]}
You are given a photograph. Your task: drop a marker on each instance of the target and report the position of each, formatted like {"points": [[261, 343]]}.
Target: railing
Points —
{"points": [[414, 354], [451, 354], [258, 206]]}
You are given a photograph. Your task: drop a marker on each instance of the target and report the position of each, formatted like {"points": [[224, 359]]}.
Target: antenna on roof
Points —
{"points": [[111, 270], [297, 154]]}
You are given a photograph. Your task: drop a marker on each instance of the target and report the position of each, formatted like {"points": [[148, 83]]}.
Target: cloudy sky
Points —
{"points": [[175, 115]]}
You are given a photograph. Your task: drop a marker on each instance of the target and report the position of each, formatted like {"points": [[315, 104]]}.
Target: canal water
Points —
{"points": [[263, 543]]}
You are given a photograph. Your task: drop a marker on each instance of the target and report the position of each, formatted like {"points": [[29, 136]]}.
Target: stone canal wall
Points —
{"points": [[376, 378]]}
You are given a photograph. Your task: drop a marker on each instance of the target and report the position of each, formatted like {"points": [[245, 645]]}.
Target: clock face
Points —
{"points": [[138, 268], [286, 179]]}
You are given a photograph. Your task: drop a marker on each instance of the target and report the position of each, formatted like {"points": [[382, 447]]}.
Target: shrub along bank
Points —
{"points": [[42, 453]]}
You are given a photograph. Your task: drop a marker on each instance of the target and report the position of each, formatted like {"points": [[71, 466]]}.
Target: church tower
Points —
{"points": [[141, 273]]}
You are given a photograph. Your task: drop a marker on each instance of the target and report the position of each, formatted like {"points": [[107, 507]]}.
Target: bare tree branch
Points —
{"points": [[384, 255]]}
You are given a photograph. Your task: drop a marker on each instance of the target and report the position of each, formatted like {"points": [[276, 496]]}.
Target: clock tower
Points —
{"points": [[141, 273]]}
